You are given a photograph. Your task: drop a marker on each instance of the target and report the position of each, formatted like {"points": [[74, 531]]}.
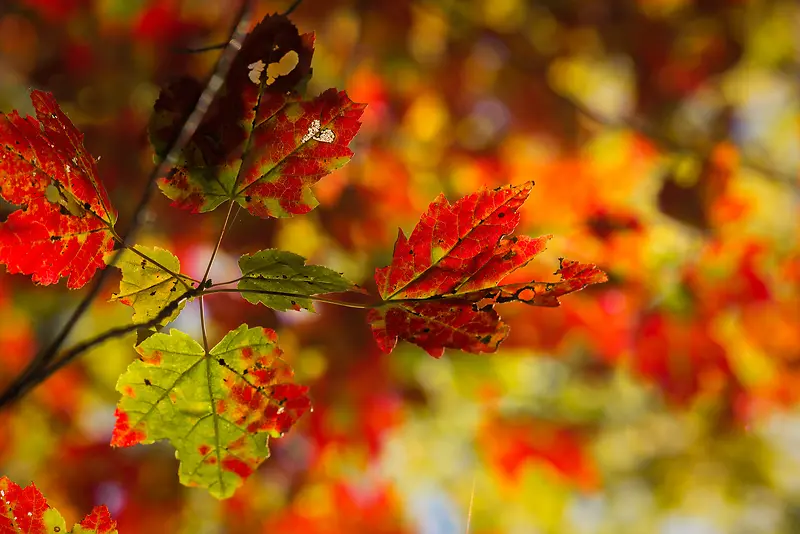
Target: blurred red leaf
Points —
{"points": [[510, 444]]}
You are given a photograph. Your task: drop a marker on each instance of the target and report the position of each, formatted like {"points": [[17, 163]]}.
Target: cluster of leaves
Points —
{"points": [[261, 145], [26, 510]]}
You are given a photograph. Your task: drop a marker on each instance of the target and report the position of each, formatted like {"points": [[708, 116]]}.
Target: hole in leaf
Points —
{"points": [[283, 67], [51, 194]]}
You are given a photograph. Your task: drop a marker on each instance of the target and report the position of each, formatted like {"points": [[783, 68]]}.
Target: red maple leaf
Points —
{"points": [[65, 224], [99, 521], [25, 510], [260, 143], [443, 282]]}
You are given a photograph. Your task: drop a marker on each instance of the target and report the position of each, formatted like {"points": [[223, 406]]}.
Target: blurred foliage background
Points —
{"points": [[664, 139]]}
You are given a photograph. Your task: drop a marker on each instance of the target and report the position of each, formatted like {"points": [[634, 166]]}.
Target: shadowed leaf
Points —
{"points": [[260, 144]]}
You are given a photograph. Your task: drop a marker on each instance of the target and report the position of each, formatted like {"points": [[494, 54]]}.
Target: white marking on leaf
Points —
{"points": [[314, 132], [326, 136], [282, 67], [255, 71]]}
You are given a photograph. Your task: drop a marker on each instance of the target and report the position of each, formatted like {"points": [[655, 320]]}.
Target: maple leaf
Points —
{"points": [[260, 144], [147, 287], [285, 272], [25, 511], [65, 224], [444, 280], [217, 408]]}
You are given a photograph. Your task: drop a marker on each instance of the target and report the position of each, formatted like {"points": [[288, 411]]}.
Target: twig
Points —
{"points": [[298, 296], [292, 7], [29, 376], [41, 374], [199, 50], [220, 46]]}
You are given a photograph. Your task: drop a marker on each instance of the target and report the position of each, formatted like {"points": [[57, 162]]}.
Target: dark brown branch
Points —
{"points": [[31, 376], [39, 375], [220, 46]]}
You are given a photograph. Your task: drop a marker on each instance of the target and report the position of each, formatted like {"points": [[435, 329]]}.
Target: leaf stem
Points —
{"points": [[336, 302], [203, 323], [228, 282], [219, 243]]}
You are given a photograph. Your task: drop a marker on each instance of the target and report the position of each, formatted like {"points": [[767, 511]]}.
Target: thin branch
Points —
{"points": [[228, 282], [220, 46], [199, 50], [20, 388], [29, 376], [326, 300], [292, 7]]}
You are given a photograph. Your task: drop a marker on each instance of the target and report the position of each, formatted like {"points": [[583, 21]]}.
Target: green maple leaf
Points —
{"points": [[217, 408], [280, 271], [147, 287]]}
